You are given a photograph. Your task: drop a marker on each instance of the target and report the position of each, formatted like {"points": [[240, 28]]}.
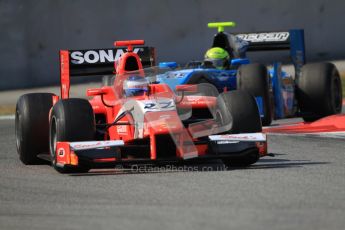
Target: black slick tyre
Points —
{"points": [[254, 79], [71, 120], [240, 108], [32, 126], [319, 91]]}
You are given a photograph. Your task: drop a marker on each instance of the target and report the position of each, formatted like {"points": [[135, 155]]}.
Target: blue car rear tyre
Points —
{"points": [[254, 79]]}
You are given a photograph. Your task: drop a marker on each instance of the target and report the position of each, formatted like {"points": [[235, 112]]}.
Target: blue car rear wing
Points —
{"points": [[292, 40]]}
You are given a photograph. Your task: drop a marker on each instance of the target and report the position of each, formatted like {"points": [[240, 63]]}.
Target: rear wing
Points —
{"points": [[292, 40], [96, 62], [101, 61]]}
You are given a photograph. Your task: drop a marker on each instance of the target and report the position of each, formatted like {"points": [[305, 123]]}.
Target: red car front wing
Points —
{"points": [[105, 154]]}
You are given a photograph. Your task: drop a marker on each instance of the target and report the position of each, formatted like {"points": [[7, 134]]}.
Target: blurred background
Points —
{"points": [[33, 31]]}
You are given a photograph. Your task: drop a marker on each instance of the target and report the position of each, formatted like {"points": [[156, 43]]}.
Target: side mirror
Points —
{"points": [[187, 88], [171, 65], [239, 61], [95, 92]]}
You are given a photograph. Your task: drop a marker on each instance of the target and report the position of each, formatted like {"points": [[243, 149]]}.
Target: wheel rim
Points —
{"points": [[337, 97], [220, 120], [18, 130], [219, 117], [53, 139]]}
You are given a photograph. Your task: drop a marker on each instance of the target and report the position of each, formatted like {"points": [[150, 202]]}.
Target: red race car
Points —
{"points": [[135, 120]]}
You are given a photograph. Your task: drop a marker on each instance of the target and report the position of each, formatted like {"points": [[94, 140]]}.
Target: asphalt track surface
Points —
{"points": [[302, 187]]}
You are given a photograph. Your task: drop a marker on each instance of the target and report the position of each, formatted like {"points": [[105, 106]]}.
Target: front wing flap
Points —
{"points": [[233, 143], [70, 153]]}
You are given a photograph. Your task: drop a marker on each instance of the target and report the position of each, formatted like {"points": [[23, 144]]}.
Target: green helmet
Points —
{"points": [[218, 56]]}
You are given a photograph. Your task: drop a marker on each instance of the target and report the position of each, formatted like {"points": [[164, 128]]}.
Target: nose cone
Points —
{"points": [[163, 122]]}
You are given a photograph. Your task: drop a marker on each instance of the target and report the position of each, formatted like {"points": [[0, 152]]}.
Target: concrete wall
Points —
{"points": [[32, 31]]}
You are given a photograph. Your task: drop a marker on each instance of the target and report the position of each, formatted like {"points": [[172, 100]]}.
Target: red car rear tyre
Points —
{"points": [[32, 126]]}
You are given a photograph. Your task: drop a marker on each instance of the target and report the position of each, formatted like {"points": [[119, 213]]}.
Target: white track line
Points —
{"points": [[7, 117], [336, 135]]}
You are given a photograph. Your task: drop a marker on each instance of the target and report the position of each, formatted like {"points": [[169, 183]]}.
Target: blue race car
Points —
{"points": [[313, 92]]}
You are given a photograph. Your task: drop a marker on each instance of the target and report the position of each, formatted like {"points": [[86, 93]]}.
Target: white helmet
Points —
{"points": [[135, 86]]}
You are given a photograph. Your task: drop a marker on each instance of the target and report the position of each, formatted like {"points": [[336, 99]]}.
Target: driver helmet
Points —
{"points": [[219, 57], [135, 86]]}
